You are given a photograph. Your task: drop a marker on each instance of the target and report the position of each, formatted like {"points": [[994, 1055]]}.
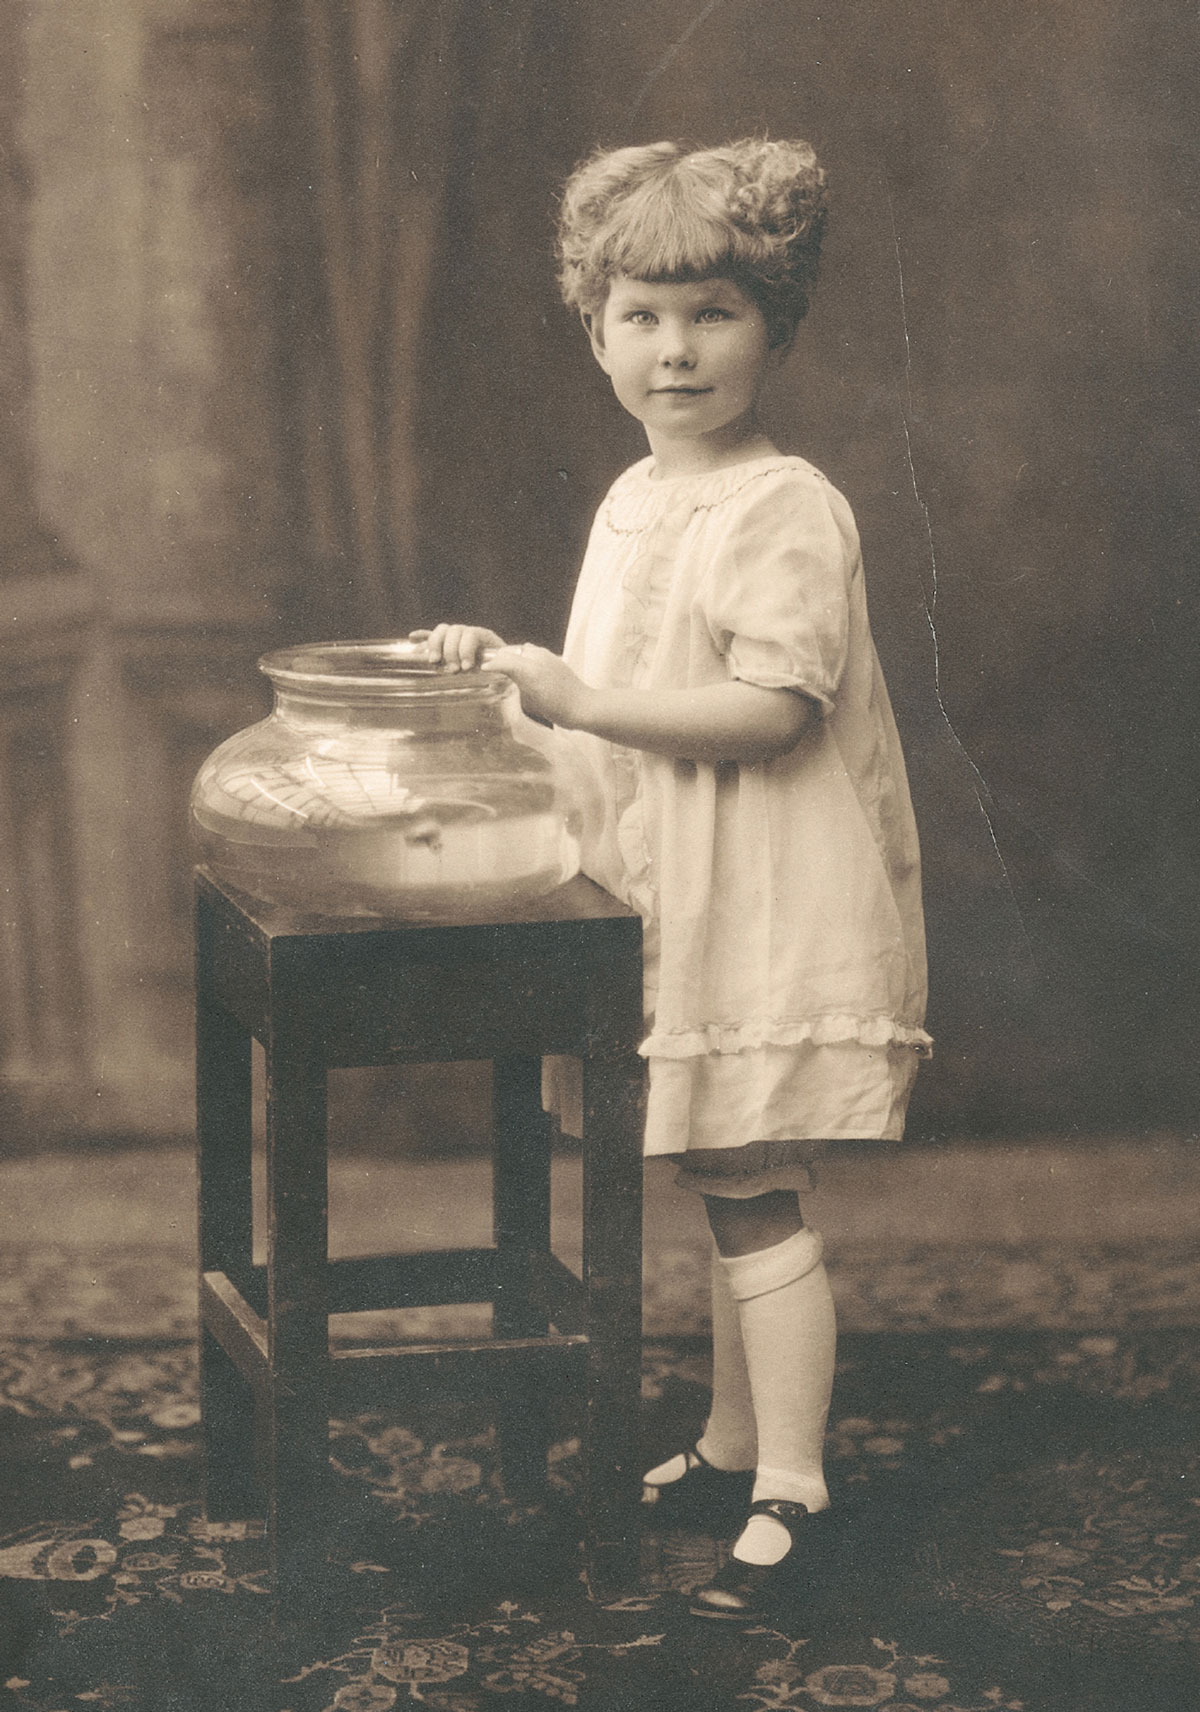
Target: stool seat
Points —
{"points": [[563, 977]]}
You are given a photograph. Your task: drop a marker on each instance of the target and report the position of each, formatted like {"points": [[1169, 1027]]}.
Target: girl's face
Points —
{"points": [[688, 361]]}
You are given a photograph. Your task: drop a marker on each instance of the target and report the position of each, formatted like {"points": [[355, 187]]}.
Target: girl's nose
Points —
{"points": [[676, 349]]}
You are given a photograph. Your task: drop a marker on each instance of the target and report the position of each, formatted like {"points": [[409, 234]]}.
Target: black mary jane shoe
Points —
{"points": [[747, 1592], [703, 1494]]}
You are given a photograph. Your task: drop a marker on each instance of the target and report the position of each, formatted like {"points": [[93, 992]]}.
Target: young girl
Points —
{"points": [[720, 676]]}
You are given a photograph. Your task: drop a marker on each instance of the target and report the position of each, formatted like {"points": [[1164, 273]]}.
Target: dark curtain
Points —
{"points": [[367, 91], [409, 136]]}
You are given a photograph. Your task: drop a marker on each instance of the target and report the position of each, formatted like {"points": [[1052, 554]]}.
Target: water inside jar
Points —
{"points": [[373, 789], [330, 835]]}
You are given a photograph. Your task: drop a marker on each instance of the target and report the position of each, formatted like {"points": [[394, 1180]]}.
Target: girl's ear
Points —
{"points": [[594, 328]]}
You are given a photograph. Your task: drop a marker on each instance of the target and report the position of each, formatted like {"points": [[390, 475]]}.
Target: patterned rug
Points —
{"points": [[1018, 1530]]}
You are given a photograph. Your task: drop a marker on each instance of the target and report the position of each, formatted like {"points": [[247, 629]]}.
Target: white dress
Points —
{"points": [[784, 941]]}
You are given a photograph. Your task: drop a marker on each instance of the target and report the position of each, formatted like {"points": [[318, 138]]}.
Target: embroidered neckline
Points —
{"points": [[637, 499], [731, 476]]}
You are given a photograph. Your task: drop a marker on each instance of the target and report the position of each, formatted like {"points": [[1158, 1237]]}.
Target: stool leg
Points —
{"points": [[232, 1489], [521, 1226], [298, 1320], [612, 1275], [223, 1172]]}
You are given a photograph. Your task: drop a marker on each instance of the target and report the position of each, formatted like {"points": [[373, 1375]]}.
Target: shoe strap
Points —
{"points": [[783, 1509], [695, 1458]]}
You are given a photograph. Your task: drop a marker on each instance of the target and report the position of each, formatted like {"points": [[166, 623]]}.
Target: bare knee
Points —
{"points": [[743, 1227]]}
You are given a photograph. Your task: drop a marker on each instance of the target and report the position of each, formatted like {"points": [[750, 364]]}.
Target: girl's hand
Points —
{"points": [[456, 647], [549, 688]]}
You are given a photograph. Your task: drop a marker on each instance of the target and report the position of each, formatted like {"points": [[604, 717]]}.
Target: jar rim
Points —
{"points": [[380, 666]]}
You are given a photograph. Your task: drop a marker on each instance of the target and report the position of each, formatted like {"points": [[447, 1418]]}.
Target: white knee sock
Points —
{"points": [[789, 1335], [729, 1439]]}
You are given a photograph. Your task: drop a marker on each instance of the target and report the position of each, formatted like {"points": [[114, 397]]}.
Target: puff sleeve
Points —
{"points": [[776, 595]]}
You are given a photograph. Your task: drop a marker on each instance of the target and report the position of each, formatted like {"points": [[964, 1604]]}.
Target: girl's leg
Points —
{"points": [[785, 1311], [728, 1441], [745, 1226]]}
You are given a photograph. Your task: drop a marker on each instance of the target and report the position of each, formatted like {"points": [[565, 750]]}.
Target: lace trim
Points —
{"points": [[817, 1031], [635, 502]]}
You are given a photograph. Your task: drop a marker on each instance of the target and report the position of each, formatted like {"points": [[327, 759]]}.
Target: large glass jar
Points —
{"points": [[381, 785]]}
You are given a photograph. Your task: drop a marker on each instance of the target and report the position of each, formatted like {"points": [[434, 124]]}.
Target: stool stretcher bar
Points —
{"points": [[564, 978]]}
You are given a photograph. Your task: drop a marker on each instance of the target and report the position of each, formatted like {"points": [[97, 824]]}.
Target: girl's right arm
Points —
{"points": [[720, 722], [458, 647]]}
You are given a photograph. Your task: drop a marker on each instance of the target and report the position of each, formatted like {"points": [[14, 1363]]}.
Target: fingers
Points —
{"points": [[549, 689], [457, 647]]}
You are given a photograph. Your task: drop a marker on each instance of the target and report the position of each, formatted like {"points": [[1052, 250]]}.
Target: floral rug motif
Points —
{"points": [[1019, 1531]]}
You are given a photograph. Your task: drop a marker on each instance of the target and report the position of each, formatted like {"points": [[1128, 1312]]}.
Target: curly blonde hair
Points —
{"points": [[753, 211]]}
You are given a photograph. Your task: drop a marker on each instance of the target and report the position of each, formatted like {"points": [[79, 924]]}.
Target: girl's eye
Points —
{"points": [[713, 314], [640, 317]]}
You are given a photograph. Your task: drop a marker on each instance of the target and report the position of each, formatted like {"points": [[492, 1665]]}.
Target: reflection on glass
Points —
{"points": [[379, 785]]}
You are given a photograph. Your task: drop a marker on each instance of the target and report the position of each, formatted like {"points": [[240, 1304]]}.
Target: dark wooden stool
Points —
{"points": [[565, 978]]}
